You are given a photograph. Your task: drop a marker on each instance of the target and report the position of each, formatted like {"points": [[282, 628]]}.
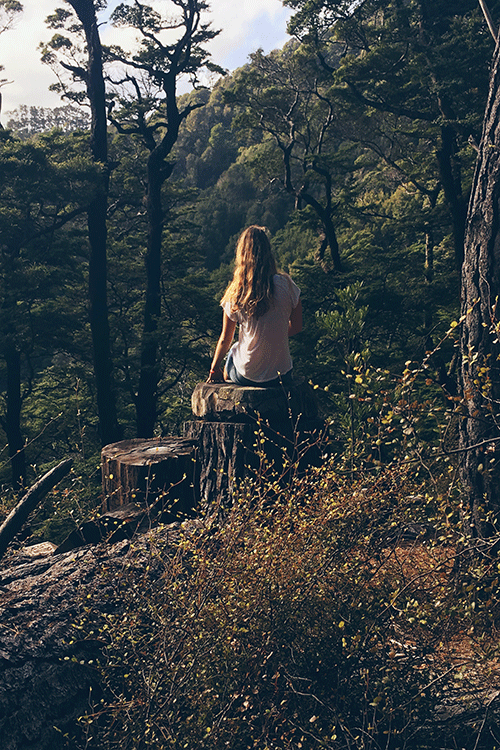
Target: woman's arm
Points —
{"points": [[222, 348], [295, 322]]}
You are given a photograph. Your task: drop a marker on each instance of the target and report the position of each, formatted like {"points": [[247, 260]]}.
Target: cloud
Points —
{"points": [[19, 54], [245, 26]]}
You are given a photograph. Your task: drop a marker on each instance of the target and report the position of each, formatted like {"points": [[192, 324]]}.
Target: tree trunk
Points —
{"points": [[451, 179], [159, 170], [331, 236], [162, 65], [324, 213], [148, 382], [225, 457], [15, 440], [479, 377], [110, 430]]}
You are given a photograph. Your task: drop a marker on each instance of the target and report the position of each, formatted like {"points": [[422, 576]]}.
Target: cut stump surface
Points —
{"points": [[227, 402]]}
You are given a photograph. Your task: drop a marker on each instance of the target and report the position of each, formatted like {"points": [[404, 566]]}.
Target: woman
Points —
{"points": [[266, 306]]}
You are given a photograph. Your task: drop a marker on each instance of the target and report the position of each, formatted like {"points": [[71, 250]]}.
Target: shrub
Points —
{"points": [[294, 623]]}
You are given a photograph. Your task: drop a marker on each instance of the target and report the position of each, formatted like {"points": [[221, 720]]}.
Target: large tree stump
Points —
{"points": [[159, 473], [243, 432]]}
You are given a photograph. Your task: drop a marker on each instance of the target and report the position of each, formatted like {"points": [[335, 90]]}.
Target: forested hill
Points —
{"points": [[355, 145]]}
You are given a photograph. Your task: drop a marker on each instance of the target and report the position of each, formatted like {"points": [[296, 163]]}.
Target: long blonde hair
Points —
{"points": [[251, 288]]}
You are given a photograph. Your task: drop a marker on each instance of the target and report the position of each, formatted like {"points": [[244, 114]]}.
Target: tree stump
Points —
{"points": [[159, 473], [243, 431], [226, 402]]}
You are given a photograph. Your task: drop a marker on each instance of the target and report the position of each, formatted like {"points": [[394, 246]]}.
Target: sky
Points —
{"points": [[245, 26]]}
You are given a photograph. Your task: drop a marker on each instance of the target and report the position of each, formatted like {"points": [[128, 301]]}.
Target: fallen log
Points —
{"points": [[18, 515]]}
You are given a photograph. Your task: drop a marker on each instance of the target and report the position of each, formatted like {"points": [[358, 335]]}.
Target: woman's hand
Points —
{"points": [[222, 348], [216, 376]]}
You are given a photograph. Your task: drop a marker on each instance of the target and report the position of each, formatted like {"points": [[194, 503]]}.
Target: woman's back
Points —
{"points": [[262, 352], [266, 305]]}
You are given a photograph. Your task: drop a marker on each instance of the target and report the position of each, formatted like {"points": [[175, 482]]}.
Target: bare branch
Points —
{"points": [[489, 19]]}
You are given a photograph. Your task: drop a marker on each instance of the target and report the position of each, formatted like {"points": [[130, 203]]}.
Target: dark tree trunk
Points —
{"points": [[162, 64], [329, 234], [331, 242], [158, 171], [110, 430], [147, 393], [15, 440], [451, 179], [324, 213], [225, 457], [479, 377]]}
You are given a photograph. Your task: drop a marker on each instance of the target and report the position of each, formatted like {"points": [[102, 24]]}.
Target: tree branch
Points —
{"points": [[489, 19]]}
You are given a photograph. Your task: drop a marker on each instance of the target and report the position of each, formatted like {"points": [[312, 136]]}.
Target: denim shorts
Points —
{"points": [[235, 377]]}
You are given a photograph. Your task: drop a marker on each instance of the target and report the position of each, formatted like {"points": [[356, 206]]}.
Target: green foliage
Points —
{"points": [[47, 183], [371, 120]]}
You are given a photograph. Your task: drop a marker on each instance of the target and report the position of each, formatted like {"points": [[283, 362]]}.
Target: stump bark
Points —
{"points": [[225, 455], [159, 473]]}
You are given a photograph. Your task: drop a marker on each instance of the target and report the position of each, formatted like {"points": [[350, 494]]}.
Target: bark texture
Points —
{"points": [[480, 373], [248, 433], [227, 402], [224, 457]]}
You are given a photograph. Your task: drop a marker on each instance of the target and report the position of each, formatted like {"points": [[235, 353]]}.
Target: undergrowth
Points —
{"points": [[306, 618]]}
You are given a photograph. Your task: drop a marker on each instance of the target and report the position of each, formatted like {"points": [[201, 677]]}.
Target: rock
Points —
{"points": [[45, 679], [39, 550]]}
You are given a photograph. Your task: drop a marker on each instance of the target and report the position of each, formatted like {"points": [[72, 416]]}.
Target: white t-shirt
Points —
{"points": [[261, 352]]}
